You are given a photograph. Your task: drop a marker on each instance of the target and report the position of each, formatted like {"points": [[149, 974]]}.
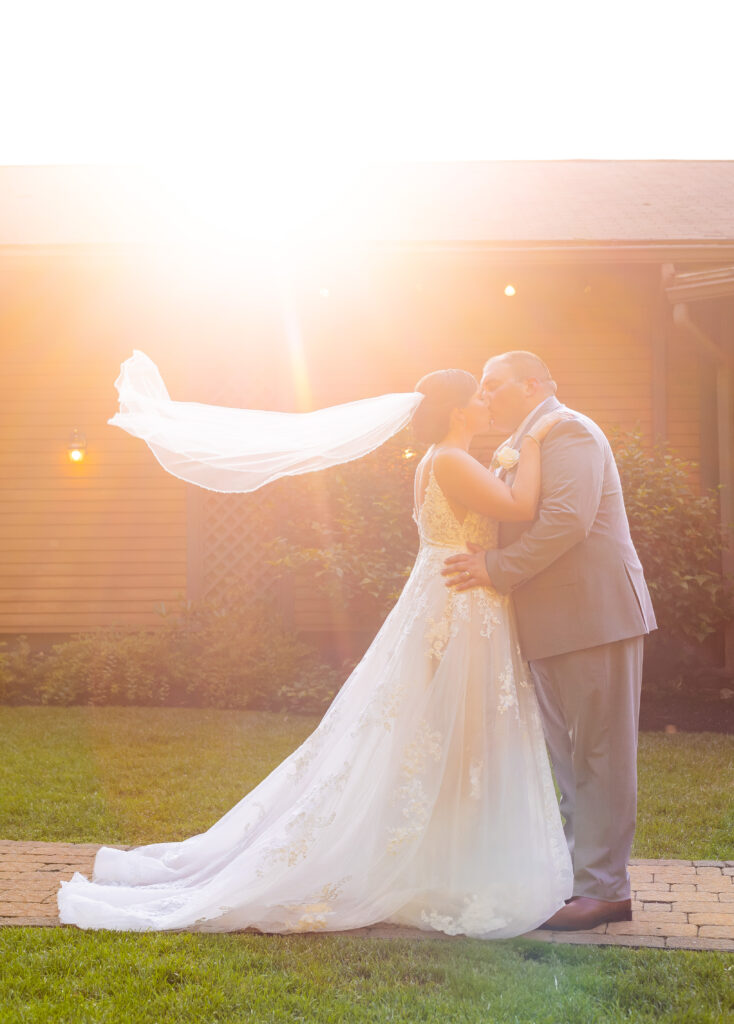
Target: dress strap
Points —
{"points": [[419, 470]]}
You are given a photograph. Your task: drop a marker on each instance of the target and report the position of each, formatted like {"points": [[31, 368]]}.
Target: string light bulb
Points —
{"points": [[510, 290], [77, 446]]}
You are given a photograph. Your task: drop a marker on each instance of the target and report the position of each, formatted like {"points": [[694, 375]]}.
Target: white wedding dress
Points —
{"points": [[424, 797]]}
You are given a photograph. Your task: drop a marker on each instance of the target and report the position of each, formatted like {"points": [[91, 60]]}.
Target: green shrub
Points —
{"points": [[678, 537], [220, 652], [19, 671], [351, 528], [226, 651], [106, 667]]}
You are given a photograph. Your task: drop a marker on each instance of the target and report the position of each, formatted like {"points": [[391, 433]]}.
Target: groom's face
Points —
{"points": [[507, 397]]}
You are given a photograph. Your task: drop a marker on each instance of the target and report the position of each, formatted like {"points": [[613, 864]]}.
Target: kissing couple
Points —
{"points": [[425, 796]]}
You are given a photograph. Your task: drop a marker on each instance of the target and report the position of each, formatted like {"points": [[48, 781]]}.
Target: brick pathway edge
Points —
{"points": [[676, 904]]}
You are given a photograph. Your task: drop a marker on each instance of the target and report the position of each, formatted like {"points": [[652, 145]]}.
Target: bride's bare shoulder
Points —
{"points": [[454, 461]]}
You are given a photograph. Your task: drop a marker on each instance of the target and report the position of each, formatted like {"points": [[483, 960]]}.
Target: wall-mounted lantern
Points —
{"points": [[77, 446]]}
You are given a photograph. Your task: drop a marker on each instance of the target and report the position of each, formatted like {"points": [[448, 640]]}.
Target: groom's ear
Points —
{"points": [[535, 387]]}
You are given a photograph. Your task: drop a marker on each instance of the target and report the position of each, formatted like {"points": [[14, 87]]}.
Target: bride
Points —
{"points": [[424, 797]]}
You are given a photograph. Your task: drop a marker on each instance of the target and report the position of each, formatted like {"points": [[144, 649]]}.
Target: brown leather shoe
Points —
{"points": [[583, 912]]}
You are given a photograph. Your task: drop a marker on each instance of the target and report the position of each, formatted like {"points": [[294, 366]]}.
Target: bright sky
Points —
{"points": [[207, 82]]}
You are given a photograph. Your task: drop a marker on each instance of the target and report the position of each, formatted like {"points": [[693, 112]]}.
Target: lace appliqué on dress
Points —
{"points": [[437, 523], [475, 779], [384, 707], [507, 692], [305, 823], [491, 604], [313, 913], [480, 916], [440, 632], [439, 528], [427, 743]]}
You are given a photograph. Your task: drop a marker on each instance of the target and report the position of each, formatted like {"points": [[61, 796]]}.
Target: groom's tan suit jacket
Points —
{"points": [[573, 573]]}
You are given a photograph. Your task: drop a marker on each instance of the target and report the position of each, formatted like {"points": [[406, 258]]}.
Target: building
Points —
{"points": [[619, 273]]}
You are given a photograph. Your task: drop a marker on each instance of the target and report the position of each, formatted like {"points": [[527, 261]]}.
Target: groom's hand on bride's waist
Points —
{"points": [[463, 572]]}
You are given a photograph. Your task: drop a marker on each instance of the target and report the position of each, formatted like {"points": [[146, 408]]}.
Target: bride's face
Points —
{"points": [[476, 414]]}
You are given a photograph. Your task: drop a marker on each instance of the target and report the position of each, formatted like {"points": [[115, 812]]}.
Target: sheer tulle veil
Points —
{"points": [[240, 450]]}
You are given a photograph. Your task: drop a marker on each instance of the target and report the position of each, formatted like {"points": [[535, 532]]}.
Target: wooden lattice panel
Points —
{"points": [[228, 534], [234, 538]]}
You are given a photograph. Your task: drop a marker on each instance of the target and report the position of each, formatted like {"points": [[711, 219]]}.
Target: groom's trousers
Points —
{"points": [[589, 702]]}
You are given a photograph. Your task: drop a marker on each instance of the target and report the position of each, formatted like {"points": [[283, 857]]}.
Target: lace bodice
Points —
{"points": [[438, 525]]}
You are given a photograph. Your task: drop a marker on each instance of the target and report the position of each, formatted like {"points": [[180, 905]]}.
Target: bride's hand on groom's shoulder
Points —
{"points": [[540, 430], [463, 572]]}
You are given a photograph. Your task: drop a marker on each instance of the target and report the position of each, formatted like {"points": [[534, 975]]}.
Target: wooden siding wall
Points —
{"points": [[81, 545], [684, 398], [101, 543]]}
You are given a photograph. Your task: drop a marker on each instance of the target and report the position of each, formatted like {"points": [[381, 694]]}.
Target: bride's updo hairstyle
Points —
{"points": [[445, 390]]}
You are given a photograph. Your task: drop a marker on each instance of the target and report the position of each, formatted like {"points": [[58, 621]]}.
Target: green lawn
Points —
{"points": [[144, 775], [140, 775], [230, 978], [132, 775]]}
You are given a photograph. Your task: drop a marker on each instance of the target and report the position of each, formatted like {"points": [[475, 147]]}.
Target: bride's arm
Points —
{"points": [[468, 483]]}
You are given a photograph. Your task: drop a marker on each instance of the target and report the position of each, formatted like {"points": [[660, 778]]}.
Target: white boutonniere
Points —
{"points": [[506, 458]]}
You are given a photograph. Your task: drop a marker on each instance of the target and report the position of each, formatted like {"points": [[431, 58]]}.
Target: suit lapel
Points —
{"points": [[515, 440], [549, 405]]}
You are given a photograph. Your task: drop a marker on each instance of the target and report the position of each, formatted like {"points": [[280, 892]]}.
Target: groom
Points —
{"points": [[582, 609]]}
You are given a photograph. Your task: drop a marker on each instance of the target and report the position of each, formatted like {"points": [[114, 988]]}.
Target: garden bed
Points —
{"points": [[686, 713]]}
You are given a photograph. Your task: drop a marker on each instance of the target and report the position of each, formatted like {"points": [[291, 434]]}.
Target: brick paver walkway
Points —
{"points": [[677, 904]]}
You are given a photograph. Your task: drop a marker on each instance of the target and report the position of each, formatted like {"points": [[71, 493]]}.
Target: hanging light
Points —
{"points": [[77, 446], [510, 290]]}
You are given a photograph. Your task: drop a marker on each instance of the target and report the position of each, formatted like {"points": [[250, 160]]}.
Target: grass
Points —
{"points": [[68, 976], [134, 775], [143, 775], [685, 796]]}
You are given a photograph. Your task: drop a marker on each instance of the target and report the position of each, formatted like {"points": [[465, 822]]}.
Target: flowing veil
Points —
{"points": [[240, 450]]}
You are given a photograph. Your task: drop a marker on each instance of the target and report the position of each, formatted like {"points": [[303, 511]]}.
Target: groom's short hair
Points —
{"points": [[527, 364]]}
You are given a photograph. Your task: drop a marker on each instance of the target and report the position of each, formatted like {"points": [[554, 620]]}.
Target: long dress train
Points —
{"points": [[424, 797]]}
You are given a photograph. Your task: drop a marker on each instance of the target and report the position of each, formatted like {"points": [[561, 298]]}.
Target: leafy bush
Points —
{"points": [[351, 529], [678, 538], [19, 671], [213, 653]]}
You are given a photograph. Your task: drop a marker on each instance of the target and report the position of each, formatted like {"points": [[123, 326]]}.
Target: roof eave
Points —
{"points": [[698, 285], [542, 251]]}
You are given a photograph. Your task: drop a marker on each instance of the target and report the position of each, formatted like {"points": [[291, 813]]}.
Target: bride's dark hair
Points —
{"points": [[445, 390]]}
